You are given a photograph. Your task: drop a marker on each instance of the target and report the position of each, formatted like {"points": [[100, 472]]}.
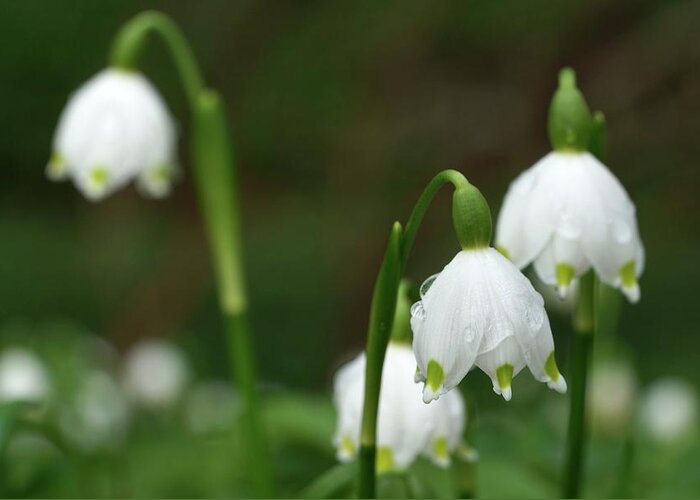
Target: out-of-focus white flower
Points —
{"points": [[211, 406], [567, 213], [481, 310], [406, 426], [669, 410], [155, 373], [22, 377], [98, 416], [114, 129], [612, 394]]}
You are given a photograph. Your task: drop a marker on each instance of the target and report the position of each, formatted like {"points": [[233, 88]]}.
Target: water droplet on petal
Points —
{"points": [[427, 284], [534, 315], [621, 231], [469, 334], [417, 310]]}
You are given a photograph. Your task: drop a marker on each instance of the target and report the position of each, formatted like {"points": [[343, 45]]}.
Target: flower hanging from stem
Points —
{"points": [[568, 212]]}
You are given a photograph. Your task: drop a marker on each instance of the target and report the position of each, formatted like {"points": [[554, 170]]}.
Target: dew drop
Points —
{"points": [[534, 315], [427, 284], [469, 334], [621, 231], [417, 310]]}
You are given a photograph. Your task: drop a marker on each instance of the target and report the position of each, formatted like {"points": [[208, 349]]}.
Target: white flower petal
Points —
{"points": [[480, 309]]}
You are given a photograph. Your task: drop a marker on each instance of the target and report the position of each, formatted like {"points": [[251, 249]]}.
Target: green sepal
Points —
{"points": [[570, 120]]}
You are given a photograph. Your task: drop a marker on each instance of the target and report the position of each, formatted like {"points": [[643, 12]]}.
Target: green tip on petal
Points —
{"points": [[628, 274], [441, 451], [556, 381], [628, 281], [56, 168], [504, 375], [565, 274], [385, 459], [436, 376], [347, 445], [503, 251], [99, 176]]}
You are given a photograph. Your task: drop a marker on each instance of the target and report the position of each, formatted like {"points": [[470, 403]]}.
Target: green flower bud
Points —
{"points": [[570, 120]]}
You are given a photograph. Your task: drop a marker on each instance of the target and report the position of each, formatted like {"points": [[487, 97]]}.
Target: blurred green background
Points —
{"points": [[341, 111]]}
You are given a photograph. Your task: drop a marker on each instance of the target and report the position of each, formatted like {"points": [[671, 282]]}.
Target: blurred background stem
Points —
{"points": [[217, 190]]}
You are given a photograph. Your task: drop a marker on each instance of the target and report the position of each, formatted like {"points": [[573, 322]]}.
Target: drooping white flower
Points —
{"points": [[114, 129], [611, 395], [568, 213], [481, 310], [22, 377], [669, 410], [155, 373], [98, 414], [406, 426]]}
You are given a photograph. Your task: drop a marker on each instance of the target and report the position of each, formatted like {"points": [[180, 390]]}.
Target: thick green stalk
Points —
{"points": [[217, 190], [581, 348], [468, 216]]}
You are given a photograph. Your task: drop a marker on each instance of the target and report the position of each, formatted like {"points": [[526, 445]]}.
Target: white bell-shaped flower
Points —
{"points": [[481, 310], [406, 427], [114, 129], [22, 377], [156, 373], [567, 213]]}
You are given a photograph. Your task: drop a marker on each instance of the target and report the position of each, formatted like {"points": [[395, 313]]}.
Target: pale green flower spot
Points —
{"points": [[57, 165], [504, 375], [628, 274], [503, 251], [550, 367], [435, 376], [99, 176], [161, 173], [565, 273], [385, 459], [347, 445], [440, 448]]}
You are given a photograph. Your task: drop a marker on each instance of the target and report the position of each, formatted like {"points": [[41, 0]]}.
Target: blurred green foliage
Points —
{"points": [[341, 111]]}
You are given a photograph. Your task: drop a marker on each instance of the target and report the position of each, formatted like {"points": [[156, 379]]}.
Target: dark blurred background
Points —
{"points": [[341, 111]]}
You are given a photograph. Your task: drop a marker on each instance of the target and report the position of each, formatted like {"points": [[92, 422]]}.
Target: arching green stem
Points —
{"points": [[217, 191], [472, 223], [130, 42]]}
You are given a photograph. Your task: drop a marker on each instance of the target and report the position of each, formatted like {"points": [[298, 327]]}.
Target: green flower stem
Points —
{"points": [[581, 348], [217, 190], [383, 309], [130, 41]]}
